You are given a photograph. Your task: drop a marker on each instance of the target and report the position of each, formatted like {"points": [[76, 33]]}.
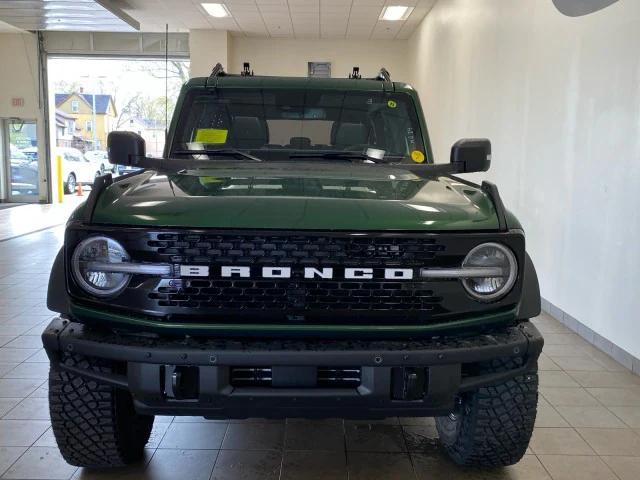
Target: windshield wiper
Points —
{"points": [[347, 156], [221, 152]]}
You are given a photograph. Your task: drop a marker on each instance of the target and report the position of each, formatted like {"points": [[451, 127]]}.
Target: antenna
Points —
{"points": [[166, 82]]}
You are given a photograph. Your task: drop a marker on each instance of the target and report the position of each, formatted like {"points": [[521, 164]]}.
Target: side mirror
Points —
{"points": [[471, 155], [125, 148]]}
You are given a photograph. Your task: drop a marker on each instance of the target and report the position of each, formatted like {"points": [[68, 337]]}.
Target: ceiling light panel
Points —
{"points": [[396, 12], [216, 10]]}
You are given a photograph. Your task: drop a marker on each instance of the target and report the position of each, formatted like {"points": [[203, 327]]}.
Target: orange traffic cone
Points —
{"points": [[79, 190]]}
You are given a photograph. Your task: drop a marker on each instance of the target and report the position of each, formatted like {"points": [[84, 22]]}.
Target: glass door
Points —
{"points": [[21, 165]]}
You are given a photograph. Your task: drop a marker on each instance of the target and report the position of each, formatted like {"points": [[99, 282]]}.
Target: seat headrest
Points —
{"points": [[345, 134], [300, 142], [249, 132]]}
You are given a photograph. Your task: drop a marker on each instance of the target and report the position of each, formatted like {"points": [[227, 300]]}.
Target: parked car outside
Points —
{"points": [[76, 168], [100, 158]]}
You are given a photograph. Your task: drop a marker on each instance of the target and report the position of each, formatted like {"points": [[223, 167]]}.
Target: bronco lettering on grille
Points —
{"points": [[307, 272]]}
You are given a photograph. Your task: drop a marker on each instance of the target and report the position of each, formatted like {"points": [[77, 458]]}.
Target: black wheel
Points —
{"points": [[95, 425], [493, 425], [70, 185]]}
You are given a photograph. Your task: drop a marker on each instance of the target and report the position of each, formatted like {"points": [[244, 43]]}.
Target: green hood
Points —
{"points": [[323, 196]]}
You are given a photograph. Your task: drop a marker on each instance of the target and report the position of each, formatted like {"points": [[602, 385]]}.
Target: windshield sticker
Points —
{"points": [[211, 135], [417, 156], [204, 181], [392, 104]]}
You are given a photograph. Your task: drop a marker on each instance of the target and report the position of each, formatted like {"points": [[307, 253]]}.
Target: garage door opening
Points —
{"points": [[91, 97]]}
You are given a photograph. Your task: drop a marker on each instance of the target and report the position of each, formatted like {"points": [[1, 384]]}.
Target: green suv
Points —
{"points": [[295, 253]]}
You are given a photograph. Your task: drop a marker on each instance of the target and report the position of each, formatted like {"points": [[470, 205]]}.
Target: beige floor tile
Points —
{"points": [[590, 417], [191, 436], [6, 368], [17, 387], [577, 397], [40, 463], [254, 436], [612, 441], [21, 433], [566, 350], [545, 363], [424, 421], [30, 409], [617, 397], [438, 467], [8, 455], [561, 441], [36, 371], [135, 471], [629, 415], [374, 438], [550, 378], [15, 355], [566, 467], [380, 466], [314, 466], [243, 465], [564, 339], [626, 468], [584, 364], [314, 437], [548, 416], [421, 438], [170, 464], [6, 404], [605, 379]]}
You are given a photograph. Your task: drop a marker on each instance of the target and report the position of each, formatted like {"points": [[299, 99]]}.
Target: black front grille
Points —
{"points": [[296, 295], [256, 300], [301, 294], [326, 377], [295, 250]]}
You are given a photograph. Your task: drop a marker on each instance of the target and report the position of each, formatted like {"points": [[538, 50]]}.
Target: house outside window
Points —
{"points": [[89, 126], [75, 106]]}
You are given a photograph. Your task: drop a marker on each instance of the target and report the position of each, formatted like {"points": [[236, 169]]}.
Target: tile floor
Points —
{"points": [[588, 425]]}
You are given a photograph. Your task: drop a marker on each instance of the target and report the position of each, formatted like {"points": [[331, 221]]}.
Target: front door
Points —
{"points": [[21, 160]]}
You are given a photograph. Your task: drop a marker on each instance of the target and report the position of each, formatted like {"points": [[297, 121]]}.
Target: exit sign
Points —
{"points": [[17, 102]]}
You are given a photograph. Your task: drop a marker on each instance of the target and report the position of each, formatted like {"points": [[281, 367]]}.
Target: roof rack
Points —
{"points": [[246, 70], [218, 71], [384, 75]]}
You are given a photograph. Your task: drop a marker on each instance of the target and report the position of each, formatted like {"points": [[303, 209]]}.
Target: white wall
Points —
{"points": [[560, 99], [19, 79], [206, 48], [285, 56]]}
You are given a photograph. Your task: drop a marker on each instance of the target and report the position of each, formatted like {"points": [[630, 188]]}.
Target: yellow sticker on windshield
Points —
{"points": [[417, 156], [392, 104], [206, 179], [211, 135]]}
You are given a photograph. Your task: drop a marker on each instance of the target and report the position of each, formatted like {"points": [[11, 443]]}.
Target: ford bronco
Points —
{"points": [[295, 253]]}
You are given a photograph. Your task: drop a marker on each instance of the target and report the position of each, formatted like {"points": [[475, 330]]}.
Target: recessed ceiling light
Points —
{"points": [[218, 10], [396, 12]]}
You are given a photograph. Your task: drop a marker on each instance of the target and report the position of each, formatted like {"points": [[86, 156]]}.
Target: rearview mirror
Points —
{"points": [[471, 155], [125, 148]]}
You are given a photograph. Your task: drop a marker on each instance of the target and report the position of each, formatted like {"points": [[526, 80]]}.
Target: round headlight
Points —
{"points": [[493, 255], [89, 256]]}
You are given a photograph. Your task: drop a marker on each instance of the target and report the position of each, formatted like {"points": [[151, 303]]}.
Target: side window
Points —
{"points": [[74, 106]]}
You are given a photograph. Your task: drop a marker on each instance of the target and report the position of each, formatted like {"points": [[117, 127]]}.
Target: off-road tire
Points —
{"points": [[95, 425], [493, 425]]}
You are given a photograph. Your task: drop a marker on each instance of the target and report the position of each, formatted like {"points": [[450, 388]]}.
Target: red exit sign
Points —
{"points": [[17, 102]]}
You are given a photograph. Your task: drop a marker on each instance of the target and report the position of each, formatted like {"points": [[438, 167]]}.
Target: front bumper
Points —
{"points": [[193, 376]]}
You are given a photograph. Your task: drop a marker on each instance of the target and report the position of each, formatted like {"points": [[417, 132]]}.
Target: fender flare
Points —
{"points": [[530, 304], [57, 296]]}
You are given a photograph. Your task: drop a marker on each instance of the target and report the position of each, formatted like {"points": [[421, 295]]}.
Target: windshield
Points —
{"points": [[278, 124]]}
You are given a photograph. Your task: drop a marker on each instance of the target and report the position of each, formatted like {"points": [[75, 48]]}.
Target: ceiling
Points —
{"points": [[75, 15], [337, 19], [281, 18]]}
